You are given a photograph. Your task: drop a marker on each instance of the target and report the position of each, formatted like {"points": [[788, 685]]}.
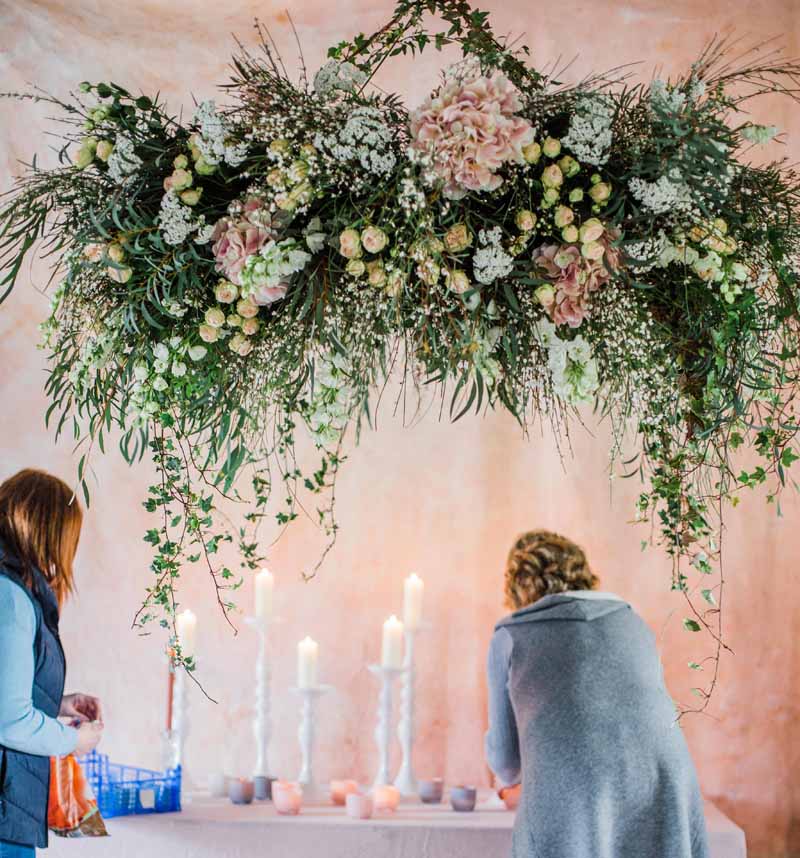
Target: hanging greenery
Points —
{"points": [[262, 271]]}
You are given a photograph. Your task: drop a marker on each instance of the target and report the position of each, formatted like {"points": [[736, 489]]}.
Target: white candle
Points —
{"points": [[265, 584], [307, 655], [413, 590], [392, 649], [186, 629]]}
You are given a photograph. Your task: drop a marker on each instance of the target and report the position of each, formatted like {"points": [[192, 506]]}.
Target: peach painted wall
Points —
{"points": [[443, 500]]}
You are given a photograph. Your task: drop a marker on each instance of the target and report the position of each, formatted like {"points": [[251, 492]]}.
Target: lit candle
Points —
{"points": [[307, 655], [265, 583], [413, 590], [186, 629], [392, 649]]}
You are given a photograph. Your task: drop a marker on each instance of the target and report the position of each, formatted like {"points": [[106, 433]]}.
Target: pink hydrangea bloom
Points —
{"points": [[240, 235], [470, 129], [574, 279]]}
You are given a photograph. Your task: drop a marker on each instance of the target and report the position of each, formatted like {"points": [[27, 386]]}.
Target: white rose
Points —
{"points": [[247, 309], [178, 369], [160, 351], [215, 317], [197, 352], [160, 383], [208, 334], [226, 292], [140, 372], [175, 342]]}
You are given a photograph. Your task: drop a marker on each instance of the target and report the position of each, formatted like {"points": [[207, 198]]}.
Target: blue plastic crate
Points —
{"points": [[125, 790]]}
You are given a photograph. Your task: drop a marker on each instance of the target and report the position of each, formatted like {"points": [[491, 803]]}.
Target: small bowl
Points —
{"points": [[341, 789], [359, 805], [386, 797], [263, 787], [462, 798], [241, 791], [432, 791], [287, 797]]}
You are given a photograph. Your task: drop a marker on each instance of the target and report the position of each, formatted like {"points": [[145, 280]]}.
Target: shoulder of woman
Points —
{"points": [[16, 606]]}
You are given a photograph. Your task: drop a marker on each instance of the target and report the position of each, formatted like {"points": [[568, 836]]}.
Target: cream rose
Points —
{"points": [[226, 292], [214, 317], [525, 220], [457, 238], [208, 334], [247, 309], [374, 239], [350, 243]]}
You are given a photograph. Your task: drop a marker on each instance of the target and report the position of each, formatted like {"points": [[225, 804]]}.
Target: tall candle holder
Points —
{"points": [[306, 734], [262, 713], [405, 781], [383, 732], [174, 747]]}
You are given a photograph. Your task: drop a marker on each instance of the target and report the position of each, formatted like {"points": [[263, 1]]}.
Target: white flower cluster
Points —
{"points": [[490, 261], [214, 137], [123, 161], [571, 364], [589, 136], [760, 134], [365, 138], [98, 350], [483, 355], [272, 266], [175, 219], [331, 399], [149, 379], [668, 194], [669, 99], [337, 76]]}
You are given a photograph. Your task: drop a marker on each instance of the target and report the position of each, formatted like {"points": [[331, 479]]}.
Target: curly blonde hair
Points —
{"points": [[541, 563]]}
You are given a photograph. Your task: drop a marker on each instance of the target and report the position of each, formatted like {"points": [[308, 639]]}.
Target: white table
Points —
{"points": [[214, 828]]}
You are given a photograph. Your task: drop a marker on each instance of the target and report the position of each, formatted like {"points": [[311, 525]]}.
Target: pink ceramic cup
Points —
{"points": [[359, 806], [341, 789], [287, 797]]}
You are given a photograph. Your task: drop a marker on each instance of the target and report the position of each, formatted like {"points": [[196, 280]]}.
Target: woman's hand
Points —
{"points": [[510, 795], [89, 734], [81, 707]]}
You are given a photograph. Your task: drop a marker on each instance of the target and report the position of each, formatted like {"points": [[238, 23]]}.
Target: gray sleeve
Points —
{"points": [[502, 740]]}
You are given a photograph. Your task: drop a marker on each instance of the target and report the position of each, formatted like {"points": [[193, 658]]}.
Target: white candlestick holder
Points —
{"points": [[307, 734], [383, 732], [405, 781], [262, 713], [179, 728]]}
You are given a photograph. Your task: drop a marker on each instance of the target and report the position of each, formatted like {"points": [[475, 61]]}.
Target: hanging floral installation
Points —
{"points": [[261, 271]]}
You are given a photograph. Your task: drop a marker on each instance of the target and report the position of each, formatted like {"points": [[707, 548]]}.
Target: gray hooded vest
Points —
{"points": [[25, 778], [606, 772]]}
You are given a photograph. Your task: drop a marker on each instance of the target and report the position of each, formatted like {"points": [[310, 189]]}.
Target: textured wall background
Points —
{"points": [[443, 500]]}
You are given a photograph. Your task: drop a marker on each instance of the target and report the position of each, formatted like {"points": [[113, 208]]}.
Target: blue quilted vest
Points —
{"points": [[25, 778]]}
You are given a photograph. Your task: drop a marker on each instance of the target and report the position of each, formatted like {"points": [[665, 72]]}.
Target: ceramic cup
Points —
{"points": [[218, 785], [431, 792], [359, 806], [287, 797], [341, 789], [263, 787], [386, 797], [240, 791], [462, 798]]}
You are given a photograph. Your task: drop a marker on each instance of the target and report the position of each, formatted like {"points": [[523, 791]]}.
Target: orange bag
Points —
{"points": [[71, 808]]}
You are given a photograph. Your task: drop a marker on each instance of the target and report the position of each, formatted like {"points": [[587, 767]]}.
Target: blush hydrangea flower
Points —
{"points": [[239, 236], [469, 130], [573, 278]]}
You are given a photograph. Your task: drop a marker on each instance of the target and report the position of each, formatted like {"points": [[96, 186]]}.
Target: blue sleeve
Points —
{"points": [[23, 727], [502, 740]]}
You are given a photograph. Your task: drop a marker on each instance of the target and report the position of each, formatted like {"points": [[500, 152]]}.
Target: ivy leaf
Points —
{"points": [[709, 597], [691, 625]]}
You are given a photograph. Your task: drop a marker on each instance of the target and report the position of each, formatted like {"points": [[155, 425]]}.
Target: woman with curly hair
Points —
{"points": [[579, 716]]}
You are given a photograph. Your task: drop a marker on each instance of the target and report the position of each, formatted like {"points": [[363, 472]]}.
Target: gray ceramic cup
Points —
{"points": [[431, 792], [462, 798], [262, 787], [240, 791]]}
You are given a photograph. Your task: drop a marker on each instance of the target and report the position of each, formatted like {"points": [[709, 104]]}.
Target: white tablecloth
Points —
{"points": [[214, 828]]}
